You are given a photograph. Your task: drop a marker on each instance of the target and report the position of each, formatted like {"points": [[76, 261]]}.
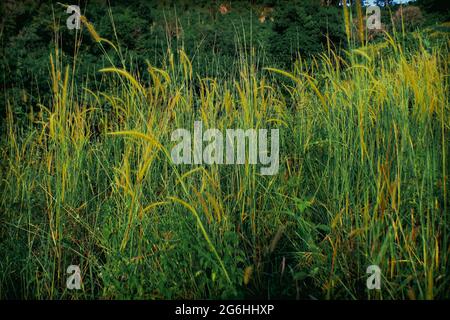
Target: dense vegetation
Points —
{"points": [[146, 29], [87, 179]]}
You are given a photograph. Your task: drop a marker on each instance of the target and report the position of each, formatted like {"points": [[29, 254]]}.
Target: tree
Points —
{"points": [[434, 5], [410, 16], [303, 27], [439, 9]]}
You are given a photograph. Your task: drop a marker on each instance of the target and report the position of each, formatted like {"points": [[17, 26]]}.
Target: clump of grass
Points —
{"points": [[363, 180]]}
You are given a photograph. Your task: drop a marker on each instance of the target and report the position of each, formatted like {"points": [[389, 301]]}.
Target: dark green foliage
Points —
{"points": [[145, 30], [303, 26], [438, 10]]}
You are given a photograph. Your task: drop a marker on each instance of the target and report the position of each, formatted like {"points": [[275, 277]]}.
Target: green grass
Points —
{"points": [[363, 179]]}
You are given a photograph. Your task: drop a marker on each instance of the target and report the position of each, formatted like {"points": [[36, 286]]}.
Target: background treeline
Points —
{"points": [[364, 145], [213, 33]]}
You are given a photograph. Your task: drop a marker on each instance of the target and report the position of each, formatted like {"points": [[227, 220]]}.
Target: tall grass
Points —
{"points": [[363, 180]]}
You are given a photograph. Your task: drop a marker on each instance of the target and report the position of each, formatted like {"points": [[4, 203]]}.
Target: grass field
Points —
{"points": [[364, 162]]}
